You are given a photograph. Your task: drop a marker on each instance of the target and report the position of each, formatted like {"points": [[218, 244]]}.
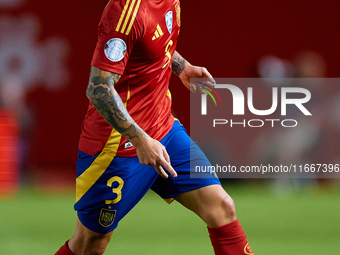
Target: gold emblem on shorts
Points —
{"points": [[107, 217]]}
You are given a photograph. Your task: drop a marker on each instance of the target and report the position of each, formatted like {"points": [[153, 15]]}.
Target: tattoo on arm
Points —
{"points": [[178, 63], [104, 97]]}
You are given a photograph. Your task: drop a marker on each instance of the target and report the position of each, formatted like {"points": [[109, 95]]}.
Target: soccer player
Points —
{"points": [[130, 142]]}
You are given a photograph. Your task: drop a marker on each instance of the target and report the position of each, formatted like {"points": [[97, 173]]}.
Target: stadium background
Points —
{"points": [[45, 51]]}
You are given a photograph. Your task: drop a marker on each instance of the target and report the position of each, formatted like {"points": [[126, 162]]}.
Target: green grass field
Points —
{"points": [[297, 222]]}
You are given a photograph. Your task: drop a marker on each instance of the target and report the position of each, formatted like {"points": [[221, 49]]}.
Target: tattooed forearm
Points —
{"points": [[108, 103], [178, 63]]}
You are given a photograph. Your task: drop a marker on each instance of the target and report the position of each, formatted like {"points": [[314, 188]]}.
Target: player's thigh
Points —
{"points": [[211, 203], [185, 155], [207, 196], [108, 188]]}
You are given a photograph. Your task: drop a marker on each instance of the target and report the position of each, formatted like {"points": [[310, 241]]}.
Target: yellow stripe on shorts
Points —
{"points": [[89, 177]]}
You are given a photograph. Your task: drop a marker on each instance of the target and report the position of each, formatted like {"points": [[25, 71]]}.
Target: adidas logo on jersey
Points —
{"points": [[158, 33]]}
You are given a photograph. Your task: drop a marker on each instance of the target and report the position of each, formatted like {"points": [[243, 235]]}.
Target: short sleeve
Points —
{"points": [[118, 31]]}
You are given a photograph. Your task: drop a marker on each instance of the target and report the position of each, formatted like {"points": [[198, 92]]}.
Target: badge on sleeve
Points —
{"points": [[115, 49], [168, 21]]}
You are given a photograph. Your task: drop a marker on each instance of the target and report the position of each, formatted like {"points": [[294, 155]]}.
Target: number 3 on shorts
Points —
{"points": [[117, 190]]}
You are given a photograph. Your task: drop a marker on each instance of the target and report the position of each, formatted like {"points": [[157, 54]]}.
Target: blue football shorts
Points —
{"points": [[109, 187]]}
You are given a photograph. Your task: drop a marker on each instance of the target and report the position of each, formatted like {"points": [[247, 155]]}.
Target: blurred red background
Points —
{"points": [[227, 37]]}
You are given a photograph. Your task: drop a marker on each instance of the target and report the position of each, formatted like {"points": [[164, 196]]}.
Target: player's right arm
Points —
{"points": [[104, 97]]}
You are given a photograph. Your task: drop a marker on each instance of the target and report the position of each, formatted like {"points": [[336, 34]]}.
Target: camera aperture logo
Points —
{"points": [[209, 93], [300, 97]]}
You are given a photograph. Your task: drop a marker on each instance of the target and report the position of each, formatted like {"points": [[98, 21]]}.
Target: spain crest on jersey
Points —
{"points": [[168, 21]]}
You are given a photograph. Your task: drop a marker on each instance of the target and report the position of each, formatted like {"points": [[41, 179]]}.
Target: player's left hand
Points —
{"points": [[191, 71]]}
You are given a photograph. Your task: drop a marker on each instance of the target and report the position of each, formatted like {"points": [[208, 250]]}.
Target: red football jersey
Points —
{"points": [[136, 38]]}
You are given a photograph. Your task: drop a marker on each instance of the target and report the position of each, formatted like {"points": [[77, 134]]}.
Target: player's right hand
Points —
{"points": [[152, 153]]}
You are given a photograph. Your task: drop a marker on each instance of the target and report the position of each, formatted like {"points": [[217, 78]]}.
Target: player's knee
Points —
{"points": [[98, 251], [94, 244], [228, 207], [224, 208], [98, 247], [221, 210]]}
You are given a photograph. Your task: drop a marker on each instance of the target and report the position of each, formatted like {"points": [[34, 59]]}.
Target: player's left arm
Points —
{"points": [[184, 70]]}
